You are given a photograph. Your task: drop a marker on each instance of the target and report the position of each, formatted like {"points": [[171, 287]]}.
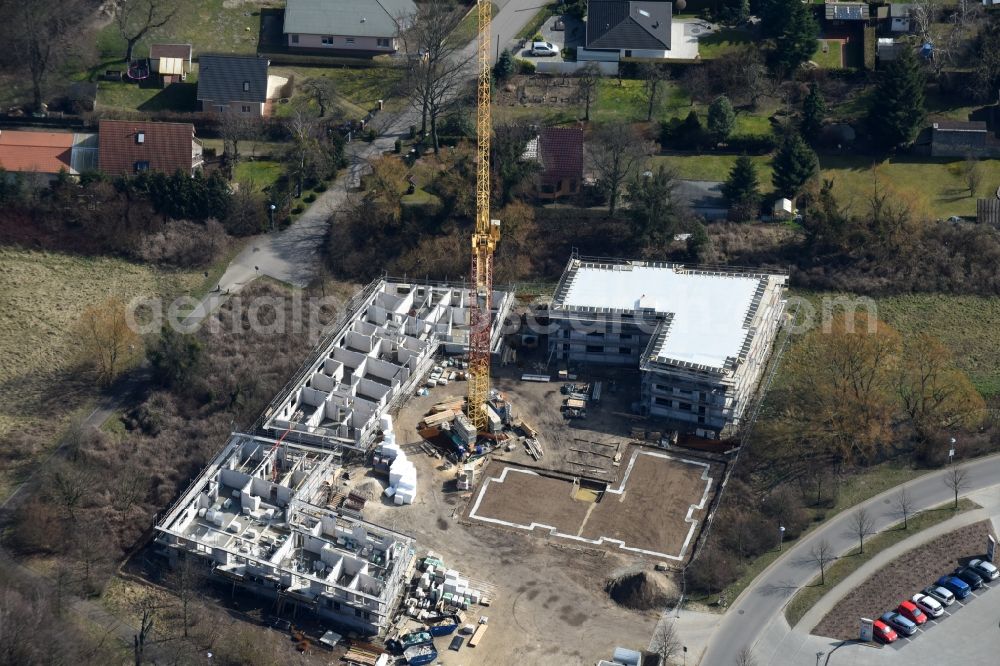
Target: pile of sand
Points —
{"points": [[642, 590], [370, 489]]}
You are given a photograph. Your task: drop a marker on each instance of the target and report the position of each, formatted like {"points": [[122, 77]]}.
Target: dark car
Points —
{"points": [[956, 586], [969, 575]]}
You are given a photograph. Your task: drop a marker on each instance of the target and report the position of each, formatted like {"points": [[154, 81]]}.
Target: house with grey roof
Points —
{"points": [[365, 28], [963, 139], [629, 28], [232, 84]]}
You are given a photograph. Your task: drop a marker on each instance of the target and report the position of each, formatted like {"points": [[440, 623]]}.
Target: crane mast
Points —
{"points": [[484, 238]]}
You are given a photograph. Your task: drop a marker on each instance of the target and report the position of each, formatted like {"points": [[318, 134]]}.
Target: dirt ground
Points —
{"points": [[902, 578], [669, 485], [550, 606]]}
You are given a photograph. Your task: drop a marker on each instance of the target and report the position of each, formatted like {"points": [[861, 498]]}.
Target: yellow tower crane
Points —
{"points": [[485, 237]]}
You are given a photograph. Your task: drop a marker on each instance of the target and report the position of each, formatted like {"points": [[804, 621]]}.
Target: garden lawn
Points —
{"points": [[722, 42], [358, 89], [132, 97], [262, 173], [714, 167], [832, 58]]}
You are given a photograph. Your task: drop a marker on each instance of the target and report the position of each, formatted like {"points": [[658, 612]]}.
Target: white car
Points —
{"points": [[984, 569], [928, 605], [940, 594], [544, 49]]}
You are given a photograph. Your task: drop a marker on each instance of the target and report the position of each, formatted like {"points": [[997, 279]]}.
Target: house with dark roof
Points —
{"points": [[171, 62], [988, 211], [954, 138], [630, 28], [128, 147], [364, 28], [559, 153], [47, 153], [232, 84], [837, 12]]}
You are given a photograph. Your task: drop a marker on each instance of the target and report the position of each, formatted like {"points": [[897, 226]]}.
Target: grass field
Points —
{"points": [[358, 90], [722, 42], [844, 566], [832, 57], [262, 173], [41, 295], [938, 183], [534, 25]]}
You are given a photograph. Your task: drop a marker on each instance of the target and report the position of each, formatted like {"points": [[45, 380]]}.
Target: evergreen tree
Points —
{"points": [[897, 105], [505, 66], [721, 119], [794, 164], [698, 243], [742, 190], [692, 134], [796, 43], [813, 113], [652, 206]]}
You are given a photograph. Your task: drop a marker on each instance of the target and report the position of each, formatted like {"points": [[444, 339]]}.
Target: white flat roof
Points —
{"points": [[708, 310]]}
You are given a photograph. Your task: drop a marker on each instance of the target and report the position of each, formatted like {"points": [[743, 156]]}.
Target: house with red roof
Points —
{"points": [[559, 153], [47, 153], [129, 147]]}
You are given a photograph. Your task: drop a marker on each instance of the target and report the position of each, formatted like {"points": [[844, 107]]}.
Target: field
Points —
{"points": [[41, 295], [262, 173], [936, 185], [901, 578]]}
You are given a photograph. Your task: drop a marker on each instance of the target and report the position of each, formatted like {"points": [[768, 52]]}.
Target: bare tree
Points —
{"points": [[821, 555], [863, 526], [616, 154], [127, 486], [39, 37], [184, 581], [307, 156], [973, 175], [904, 506], [146, 608], [105, 339], [653, 79], [322, 90], [587, 85], [135, 18], [436, 73], [922, 14], [236, 128], [957, 480], [745, 658], [665, 642], [68, 485]]}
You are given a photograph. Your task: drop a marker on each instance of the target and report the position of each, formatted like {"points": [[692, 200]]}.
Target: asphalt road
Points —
{"points": [[767, 595]]}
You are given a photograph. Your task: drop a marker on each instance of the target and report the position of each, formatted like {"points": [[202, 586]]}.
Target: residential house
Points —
{"points": [[47, 153], [347, 27], [234, 84], [899, 17], [963, 139], [131, 147], [837, 12], [629, 29], [171, 62], [559, 152], [988, 211]]}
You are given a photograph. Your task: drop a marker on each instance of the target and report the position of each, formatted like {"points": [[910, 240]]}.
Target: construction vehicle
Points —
{"points": [[485, 237]]}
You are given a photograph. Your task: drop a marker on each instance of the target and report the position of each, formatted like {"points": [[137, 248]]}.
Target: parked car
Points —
{"points": [[884, 632], [544, 49], [912, 612], [942, 595], [928, 604], [899, 623], [984, 569], [956, 586], [969, 575]]}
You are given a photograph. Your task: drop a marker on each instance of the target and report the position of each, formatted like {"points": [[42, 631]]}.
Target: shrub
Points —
{"points": [[319, 189], [309, 198], [298, 209], [413, 132], [525, 66], [752, 144], [397, 146]]}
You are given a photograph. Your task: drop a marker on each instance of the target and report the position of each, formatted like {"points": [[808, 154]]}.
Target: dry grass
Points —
{"points": [[41, 296]]}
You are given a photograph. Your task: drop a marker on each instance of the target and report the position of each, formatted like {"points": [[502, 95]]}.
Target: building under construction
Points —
{"points": [[378, 354], [701, 337], [259, 516]]}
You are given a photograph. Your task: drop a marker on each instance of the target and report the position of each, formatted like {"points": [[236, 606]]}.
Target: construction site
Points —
{"points": [[450, 460]]}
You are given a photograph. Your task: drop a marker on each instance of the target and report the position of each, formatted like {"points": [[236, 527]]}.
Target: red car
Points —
{"points": [[884, 632], [909, 610]]}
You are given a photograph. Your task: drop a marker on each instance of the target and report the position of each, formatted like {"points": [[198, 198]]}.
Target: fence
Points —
{"points": [[606, 68]]}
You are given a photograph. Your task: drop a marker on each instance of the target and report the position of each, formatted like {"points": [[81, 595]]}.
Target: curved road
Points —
{"points": [[763, 601]]}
